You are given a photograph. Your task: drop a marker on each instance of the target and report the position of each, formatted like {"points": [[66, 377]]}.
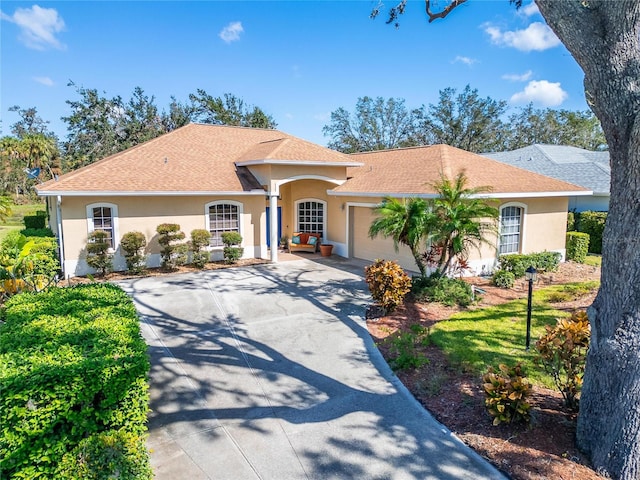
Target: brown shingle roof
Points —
{"points": [[195, 158], [413, 171]]}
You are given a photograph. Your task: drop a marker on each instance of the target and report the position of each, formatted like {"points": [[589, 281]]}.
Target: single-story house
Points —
{"points": [[266, 184], [581, 167]]}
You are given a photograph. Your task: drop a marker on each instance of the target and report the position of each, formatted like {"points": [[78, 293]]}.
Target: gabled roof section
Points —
{"points": [[192, 160], [413, 171], [582, 167], [293, 150]]}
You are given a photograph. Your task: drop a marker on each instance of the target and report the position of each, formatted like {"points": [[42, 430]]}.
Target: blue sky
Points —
{"points": [[297, 60]]}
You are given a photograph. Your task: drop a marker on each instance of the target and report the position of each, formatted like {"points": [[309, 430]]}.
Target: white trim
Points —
{"points": [[279, 183], [333, 193], [324, 215], [306, 163], [207, 219], [137, 193], [435, 195], [114, 219], [523, 222]]}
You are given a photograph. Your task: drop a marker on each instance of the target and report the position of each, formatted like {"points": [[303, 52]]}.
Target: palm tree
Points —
{"points": [[463, 220], [407, 222]]}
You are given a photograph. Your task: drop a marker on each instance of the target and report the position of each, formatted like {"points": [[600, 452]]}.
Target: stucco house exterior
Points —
{"points": [[265, 184], [581, 167]]}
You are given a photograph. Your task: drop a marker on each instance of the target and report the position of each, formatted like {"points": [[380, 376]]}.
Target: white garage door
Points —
{"points": [[365, 248]]}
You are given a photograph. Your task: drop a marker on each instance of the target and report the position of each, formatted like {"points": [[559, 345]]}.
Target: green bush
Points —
{"points": [[232, 253], [593, 224], [571, 222], [35, 221], [173, 253], [442, 289], [27, 264], [99, 254], [72, 365], [200, 238], [37, 232], [403, 348], [132, 244], [542, 262], [563, 353], [503, 279], [506, 392], [388, 283], [104, 456], [577, 246]]}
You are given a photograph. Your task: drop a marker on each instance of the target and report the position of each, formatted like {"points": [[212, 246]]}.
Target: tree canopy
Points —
{"points": [[459, 119]]}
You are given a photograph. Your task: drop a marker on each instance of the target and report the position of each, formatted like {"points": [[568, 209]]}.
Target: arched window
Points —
{"points": [[223, 216], [310, 216], [511, 221], [104, 216]]}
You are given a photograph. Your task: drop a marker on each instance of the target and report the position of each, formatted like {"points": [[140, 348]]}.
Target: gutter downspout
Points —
{"points": [[60, 235]]}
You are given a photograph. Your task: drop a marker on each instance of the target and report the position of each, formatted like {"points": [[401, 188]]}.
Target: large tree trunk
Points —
{"points": [[603, 37]]}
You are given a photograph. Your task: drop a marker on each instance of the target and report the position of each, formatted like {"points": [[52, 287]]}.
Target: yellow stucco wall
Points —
{"points": [[144, 214]]}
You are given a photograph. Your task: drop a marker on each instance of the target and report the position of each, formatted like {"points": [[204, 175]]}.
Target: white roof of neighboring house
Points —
{"points": [[586, 168]]}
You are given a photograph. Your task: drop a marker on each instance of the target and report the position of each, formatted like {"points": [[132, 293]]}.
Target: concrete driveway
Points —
{"points": [[269, 372]]}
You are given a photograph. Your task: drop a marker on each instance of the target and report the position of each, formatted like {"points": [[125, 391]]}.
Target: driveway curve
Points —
{"points": [[268, 372]]}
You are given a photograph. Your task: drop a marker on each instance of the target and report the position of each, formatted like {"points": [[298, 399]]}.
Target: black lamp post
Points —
{"points": [[531, 274]]}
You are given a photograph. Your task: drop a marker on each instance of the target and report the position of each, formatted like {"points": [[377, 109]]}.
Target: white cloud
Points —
{"points": [[536, 36], [46, 81], [231, 33], [544, 93], [514, 77], [289, 116], [466, 60], [322, 117], [529, 10], [38, 26]]}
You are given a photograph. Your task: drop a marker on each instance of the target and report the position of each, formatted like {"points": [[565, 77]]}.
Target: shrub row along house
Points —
{"points": [[265, 184]]}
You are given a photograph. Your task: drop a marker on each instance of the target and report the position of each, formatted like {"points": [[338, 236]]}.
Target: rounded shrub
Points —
{"points": [[503, 279], [388, 283], [199, 240], [99, 255], [132, 245], [232, 252]]}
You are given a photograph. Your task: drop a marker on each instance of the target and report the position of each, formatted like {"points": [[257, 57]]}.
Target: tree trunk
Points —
{"points": [[603, 38]]}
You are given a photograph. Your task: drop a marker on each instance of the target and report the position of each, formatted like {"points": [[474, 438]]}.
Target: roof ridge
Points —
{"points": [[396, 149]]}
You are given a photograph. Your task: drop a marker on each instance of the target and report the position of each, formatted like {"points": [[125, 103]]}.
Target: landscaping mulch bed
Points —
{"points": [[543, 450]]}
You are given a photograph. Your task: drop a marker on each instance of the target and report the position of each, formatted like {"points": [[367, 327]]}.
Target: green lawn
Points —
{"points": [[14, 222], [477, 339], [593, 260]]}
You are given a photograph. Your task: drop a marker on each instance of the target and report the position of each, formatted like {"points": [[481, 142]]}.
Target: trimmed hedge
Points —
{"points": [[37, 232], [35, 221], [593, 224], [543, 262], [577, 246], [73, 369]]}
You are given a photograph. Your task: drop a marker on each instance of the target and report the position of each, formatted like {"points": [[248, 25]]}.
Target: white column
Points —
{"points": [[273, 226]]}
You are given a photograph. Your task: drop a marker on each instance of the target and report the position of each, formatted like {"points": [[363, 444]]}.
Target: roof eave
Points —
{"points": [[306, 163], [486, 195], [108, 193]]}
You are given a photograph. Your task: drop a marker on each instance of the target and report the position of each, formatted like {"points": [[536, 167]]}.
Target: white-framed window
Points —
{"points": [[311, 216], [223, 216], [511, 227], [104, 216]]}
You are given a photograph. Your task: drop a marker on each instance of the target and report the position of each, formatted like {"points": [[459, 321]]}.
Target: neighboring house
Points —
{"points": [[585, 168], [266, 183]]}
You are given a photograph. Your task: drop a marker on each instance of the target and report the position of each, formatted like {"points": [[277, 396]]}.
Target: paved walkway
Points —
{"points": [[269, 372]]}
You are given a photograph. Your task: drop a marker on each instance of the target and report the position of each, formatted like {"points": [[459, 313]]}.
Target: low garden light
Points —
{"points": [[531, 274]]}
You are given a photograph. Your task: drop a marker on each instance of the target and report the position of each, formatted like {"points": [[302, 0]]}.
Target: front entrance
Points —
{"points": [[269, 226]]}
